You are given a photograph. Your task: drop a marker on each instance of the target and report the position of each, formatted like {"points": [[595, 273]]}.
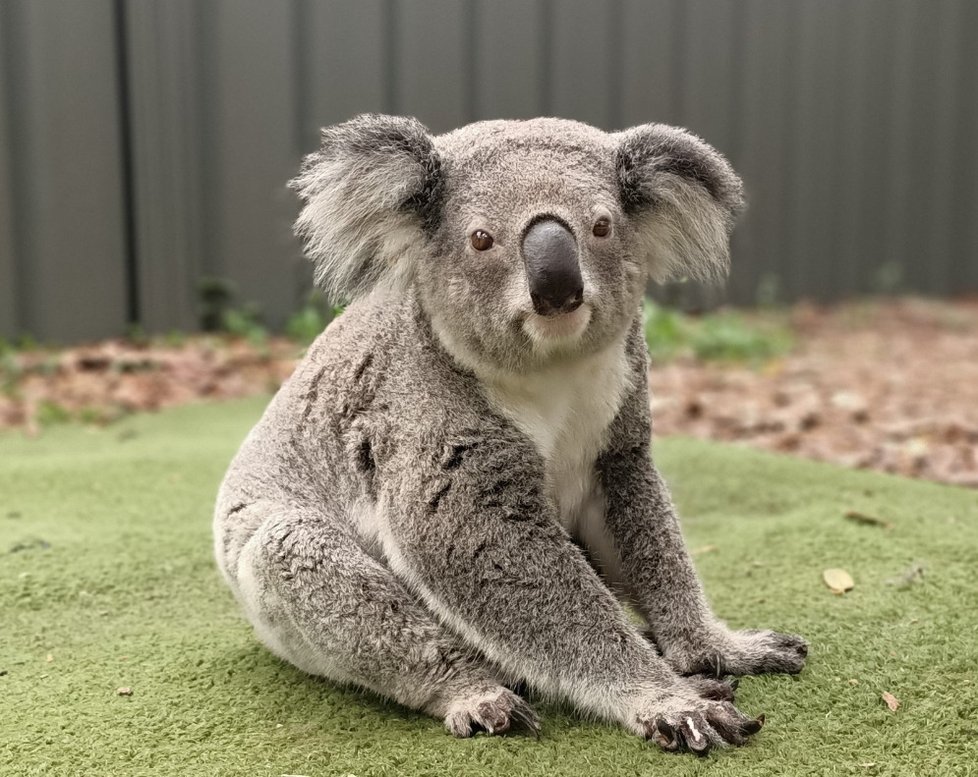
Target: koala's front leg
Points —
{"points": [[472, 532], [657, 571]]}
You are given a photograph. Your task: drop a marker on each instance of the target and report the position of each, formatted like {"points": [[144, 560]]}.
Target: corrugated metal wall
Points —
{"points": [[144, 144]]}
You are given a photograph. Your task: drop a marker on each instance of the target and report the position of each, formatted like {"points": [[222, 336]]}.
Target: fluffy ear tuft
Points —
{"points": [[370, 195], [683, 196]]}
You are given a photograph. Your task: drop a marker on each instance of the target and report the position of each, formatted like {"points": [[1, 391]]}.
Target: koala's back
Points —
{"points": [[373, 390]]}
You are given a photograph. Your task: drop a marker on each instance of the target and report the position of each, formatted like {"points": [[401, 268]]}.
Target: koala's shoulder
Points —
{"points": [[380, 358]]}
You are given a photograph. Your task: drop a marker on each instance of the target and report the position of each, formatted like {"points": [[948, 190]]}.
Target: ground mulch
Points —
{"points": [[890, 386], [101, 382], [884, 385]]}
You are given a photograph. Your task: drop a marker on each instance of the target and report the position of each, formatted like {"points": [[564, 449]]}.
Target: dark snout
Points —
{"points": [[552, 268]]}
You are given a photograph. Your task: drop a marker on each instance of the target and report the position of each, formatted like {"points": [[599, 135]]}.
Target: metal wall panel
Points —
{"points": [[170, 164], [432, 61], [964, 225], [764, 130], [251, 143], [650, 50], [511, 64], [344, 63], [63, 176], [853, 122], [585, 67], [9, 309]]}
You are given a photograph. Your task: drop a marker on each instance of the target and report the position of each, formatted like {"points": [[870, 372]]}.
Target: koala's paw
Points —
{"points": [[493, 712], [740, 653], [685, 723]]}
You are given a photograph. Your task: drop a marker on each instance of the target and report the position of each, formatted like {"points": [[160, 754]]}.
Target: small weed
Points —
{"points": [[91, 415], [50, 413], [721, 336], [888, 279], [307, 323], [137, 336], [174, 339], [220, 313], [244, 322], [666, 331], [20, 344], [26, 343], [49, 365], [214, 296], [730, 337], [768, 291]]}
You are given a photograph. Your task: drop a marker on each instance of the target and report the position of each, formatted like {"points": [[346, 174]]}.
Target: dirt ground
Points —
{"points": [[887, 386], [891, 386]]}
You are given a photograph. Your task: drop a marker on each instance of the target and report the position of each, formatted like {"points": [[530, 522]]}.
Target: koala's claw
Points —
{"points": [[708, 687], [698, 731], [494, 714]]}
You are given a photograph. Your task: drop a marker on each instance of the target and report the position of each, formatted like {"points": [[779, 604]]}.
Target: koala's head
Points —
{"points": [[526, 241]]}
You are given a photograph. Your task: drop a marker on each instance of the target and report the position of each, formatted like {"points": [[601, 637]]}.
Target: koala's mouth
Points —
{"points": [[559, 328]]}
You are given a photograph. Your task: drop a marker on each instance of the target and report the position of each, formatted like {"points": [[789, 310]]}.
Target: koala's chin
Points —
{"points": [[561, 332], [440, 502]]}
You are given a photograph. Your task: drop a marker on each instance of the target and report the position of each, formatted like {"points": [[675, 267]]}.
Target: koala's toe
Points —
{"points": [[793, 642], [493, 717], [733, 726], [695, 734], [713, 689], [662, 732], [703, 727], [788, 653], [766, 652], [459, 724], [492, 713]]}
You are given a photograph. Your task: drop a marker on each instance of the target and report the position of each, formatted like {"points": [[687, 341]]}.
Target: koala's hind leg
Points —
{"points": [[320, 602]]}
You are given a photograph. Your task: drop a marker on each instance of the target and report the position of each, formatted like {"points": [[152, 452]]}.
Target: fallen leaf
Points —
{"points": [[891, 701], [704, 549], [50, 658], [838, 580], [124, 691], [867, 520]]}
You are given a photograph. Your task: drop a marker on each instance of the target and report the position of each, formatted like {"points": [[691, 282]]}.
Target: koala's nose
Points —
{"points": [[552, 268]]}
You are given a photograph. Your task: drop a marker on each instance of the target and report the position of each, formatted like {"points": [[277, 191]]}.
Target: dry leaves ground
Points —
{"points": [[888, 385]]}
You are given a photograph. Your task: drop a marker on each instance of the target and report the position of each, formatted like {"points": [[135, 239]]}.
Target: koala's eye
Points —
{"points": [[481, 240], [601, 228]]}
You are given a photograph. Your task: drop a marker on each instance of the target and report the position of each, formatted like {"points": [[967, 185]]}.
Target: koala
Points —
{"points": [[452, 495]]}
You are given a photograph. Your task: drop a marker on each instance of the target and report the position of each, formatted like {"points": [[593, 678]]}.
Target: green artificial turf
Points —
{"points": [[106, 580]]}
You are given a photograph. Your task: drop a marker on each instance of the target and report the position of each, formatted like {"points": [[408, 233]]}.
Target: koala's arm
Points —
{"points": [[655, 566], [471, 530]]}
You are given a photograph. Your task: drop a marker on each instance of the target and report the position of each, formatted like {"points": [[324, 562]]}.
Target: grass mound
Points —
{"points": [[107, 582]]}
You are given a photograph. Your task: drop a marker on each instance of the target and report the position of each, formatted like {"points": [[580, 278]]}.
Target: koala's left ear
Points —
{"points": [[683, 196], [370, 195]]}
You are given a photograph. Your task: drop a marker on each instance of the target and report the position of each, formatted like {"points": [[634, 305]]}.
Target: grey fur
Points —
{"points": [[404, 515]]}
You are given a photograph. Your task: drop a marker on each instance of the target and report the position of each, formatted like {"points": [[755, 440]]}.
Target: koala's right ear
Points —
{"points": [[370, 195]]}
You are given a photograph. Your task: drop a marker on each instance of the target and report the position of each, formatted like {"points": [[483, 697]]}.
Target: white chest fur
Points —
{"points": [[566, 410]]}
